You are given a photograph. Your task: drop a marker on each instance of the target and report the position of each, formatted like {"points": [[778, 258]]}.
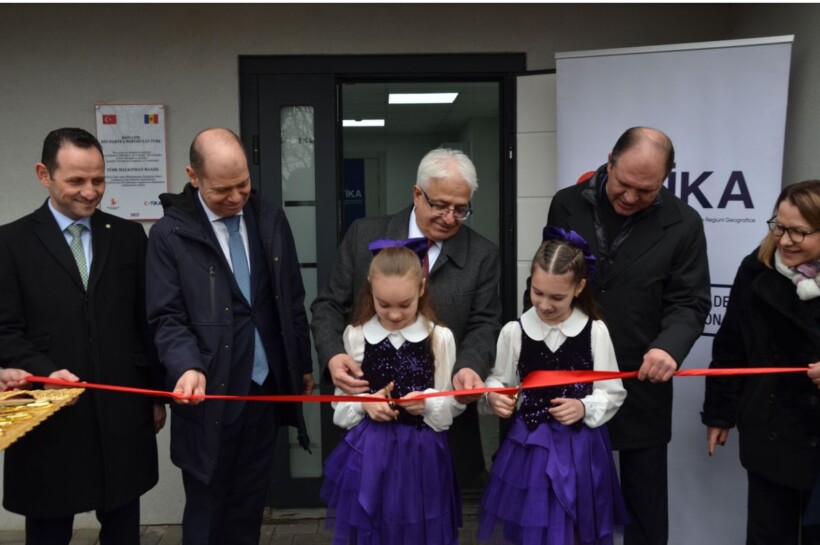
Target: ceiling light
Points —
{"points": [[363, 123], [422, 98]]}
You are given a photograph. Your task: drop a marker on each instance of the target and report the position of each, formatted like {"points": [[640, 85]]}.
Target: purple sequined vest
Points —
{"points": [[575, 354], [411, 368]]}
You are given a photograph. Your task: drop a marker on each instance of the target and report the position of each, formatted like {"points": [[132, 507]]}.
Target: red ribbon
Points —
{"points": [[536, 379]]}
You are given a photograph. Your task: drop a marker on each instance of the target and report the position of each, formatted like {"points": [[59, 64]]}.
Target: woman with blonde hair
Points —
{"points": [[773, 320]]}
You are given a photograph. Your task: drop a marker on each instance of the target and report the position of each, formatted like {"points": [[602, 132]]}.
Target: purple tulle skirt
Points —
{"points": [[551, 483], [392, 484]]}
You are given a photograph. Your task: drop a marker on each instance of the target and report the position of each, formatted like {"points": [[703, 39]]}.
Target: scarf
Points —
{"points": [[803, 276]]}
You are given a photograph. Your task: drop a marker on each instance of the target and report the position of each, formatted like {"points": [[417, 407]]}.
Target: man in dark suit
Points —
{"points": [[464, 273], [652, 284], [72, 306], [226, 299]]}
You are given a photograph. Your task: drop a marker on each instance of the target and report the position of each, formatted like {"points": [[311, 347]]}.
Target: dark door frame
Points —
{"points": [[256, 72]]}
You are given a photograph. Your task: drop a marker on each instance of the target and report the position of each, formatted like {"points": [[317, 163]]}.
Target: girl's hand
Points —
{"points": [[378, 411], [501, 405], [567, 411], [414, 407]]}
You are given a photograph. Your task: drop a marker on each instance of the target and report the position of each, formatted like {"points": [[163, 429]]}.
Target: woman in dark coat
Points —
{"points": [[773, 320]]}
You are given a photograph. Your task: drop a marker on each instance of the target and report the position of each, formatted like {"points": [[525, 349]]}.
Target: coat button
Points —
{"points": [[227, 309], [813, 400], [773, 436], [813, 441], [227, 346]]}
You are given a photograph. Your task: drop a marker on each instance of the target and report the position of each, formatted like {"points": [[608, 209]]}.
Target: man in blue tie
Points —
{"points": [[72, 307], [226, 300]]}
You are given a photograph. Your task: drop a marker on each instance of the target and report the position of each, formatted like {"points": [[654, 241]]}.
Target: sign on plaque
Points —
{"points": [[136, 167]]}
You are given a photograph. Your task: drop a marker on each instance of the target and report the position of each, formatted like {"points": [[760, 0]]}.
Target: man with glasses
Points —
{"points": [[463, 279], [652, 284]]}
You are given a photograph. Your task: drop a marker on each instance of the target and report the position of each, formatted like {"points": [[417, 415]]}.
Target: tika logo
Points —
{"points": [[687, 186], [113, 201], [151, 119], [109, 119]]}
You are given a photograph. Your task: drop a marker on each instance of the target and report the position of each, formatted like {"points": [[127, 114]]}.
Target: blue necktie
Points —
{"points": [[242, 274]]}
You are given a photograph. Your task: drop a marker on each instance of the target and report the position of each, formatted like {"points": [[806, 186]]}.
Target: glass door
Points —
{"points": [[293, 155], [291, 123]]}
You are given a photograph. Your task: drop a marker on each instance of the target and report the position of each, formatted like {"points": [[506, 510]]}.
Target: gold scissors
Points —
{"points": [[392, 404], [518, 393]]}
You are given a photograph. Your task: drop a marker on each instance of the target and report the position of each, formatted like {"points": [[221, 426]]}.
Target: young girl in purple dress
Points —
{"points": [[391, 481], [553, 480]]}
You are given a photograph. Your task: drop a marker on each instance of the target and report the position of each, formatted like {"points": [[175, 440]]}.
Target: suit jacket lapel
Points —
{"points": [[101, 242], [208, 230], [646, 233], [454, 249], [49, 234]]}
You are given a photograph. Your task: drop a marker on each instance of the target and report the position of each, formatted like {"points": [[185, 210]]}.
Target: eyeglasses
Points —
{"points": [[797, 235], [460, 213]]}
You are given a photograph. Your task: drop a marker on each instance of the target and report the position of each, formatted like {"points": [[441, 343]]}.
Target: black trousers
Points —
{"points": [[774, 515], [645, 488], [228, 509], [120, 526]]}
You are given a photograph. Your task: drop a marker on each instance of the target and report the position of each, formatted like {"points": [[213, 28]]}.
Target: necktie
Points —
{"points": [[76, 231], [241, 273]]}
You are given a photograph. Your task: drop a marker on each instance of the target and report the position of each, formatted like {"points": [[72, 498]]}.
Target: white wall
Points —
{"points": [[801, 160], [57, 61]]}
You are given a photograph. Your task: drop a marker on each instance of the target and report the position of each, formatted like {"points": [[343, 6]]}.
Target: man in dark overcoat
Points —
{"points": [[77, 312], [464, 273], [226, 299], [652, 284]]}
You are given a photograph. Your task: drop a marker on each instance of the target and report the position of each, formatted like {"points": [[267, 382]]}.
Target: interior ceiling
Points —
{"points": [[369, 101]]}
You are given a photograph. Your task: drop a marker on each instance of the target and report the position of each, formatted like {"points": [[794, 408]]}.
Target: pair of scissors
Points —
{"points": [[517, 394], [392, 404]]}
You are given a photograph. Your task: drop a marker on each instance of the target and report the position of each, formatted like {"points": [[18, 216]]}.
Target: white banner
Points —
{"points": [[136, 166], [723, 104]]}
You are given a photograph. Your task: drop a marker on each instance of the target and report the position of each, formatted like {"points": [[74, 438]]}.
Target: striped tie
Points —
{"points": [[76, 231]]}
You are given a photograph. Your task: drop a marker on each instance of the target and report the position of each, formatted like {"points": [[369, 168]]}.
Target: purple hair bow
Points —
{"points": [[556, 233], [417, 245]]}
